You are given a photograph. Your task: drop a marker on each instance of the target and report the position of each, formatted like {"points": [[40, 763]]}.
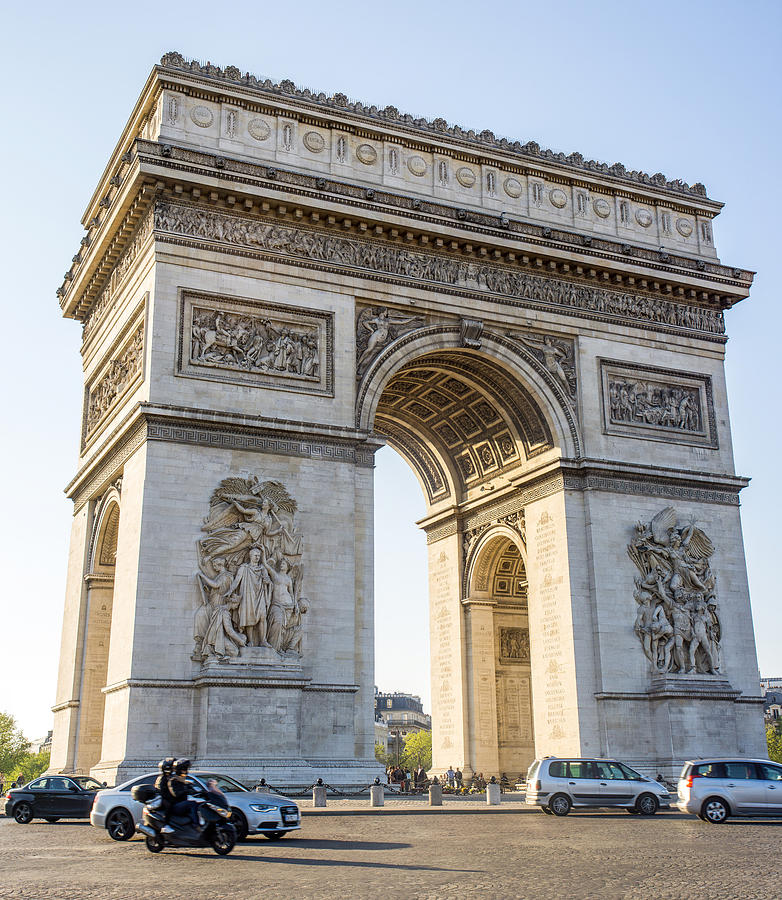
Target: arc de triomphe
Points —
{"points": [[273, 283]]}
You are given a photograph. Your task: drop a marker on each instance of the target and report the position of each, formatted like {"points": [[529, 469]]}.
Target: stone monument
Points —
{"points": [[272, 284]]}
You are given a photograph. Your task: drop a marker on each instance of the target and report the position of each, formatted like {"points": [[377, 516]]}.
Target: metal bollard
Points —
{"points": [[319, 795], [376, 795], [493, 794], [435, 795]]}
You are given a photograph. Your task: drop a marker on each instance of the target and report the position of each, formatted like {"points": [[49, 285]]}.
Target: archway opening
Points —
{"points": [[97, 634], [472, 431]]}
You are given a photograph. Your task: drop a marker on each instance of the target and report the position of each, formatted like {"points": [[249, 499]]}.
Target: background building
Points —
{"points": [[401, 712]]}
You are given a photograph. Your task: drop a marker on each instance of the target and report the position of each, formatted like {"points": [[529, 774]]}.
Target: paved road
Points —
{"points": [[465, 850]]}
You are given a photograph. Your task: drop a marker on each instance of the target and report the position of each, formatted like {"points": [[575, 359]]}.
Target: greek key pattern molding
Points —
{"points": [[459, 276]]}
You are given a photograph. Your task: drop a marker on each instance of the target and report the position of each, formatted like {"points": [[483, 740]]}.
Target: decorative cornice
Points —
{"points": [[437, 128], [507, 284], [68, 704]]}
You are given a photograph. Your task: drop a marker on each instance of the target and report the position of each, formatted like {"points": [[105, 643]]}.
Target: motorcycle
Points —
{"points": [[214, 830]]}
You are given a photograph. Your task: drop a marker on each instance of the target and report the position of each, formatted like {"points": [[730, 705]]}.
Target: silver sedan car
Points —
{"points": [[271, 815]]}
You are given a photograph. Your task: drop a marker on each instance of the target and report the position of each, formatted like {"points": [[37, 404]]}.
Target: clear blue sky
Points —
{"points": [[689, 89]]}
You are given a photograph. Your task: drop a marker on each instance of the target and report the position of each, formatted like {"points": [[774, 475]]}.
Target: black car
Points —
{"points": [[53, 797]]}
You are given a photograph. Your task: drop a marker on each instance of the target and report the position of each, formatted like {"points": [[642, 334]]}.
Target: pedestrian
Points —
{"points": [[459, 778], [451, 776]]}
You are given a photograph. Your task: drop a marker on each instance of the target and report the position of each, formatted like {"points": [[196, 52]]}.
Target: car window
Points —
{"points": [[739, 770], [710, 770], [609, 770], [145, 779], [533, 770], [59, 784], [556, 769], [630, 774], [87, 783], [581, 769], [224, 783], [770, 773], [40, 785]]}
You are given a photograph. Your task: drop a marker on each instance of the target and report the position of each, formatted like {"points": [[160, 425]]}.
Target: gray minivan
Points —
{"points": [[559, 785], [715, 789]]}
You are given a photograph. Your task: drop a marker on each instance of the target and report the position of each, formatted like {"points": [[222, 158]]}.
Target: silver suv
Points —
{"points": [[558, 785], [717, 788]]}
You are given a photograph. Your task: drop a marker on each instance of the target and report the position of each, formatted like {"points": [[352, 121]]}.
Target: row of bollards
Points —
{"points": [[377, 797]]}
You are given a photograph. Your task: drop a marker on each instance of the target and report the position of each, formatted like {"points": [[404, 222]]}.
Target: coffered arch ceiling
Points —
{"points": [[460, 419]]}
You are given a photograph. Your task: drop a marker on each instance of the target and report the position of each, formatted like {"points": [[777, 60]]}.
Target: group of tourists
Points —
{"points": [[408, 781]]}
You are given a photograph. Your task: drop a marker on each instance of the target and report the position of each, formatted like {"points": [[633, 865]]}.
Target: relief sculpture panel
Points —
{"points": [[247, 341], [677, 621], [657, 403], [249, 575]]}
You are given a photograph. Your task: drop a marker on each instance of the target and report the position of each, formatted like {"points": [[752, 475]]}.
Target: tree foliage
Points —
{"points": [[418, 750], [774, 741], [14, 746]]}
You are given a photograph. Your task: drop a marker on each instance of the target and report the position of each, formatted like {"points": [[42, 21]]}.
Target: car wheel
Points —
{"points": [[646, 805], [155, 844], [547, 811], [239, 822], [275, 835], [560, 805], [52, 818], [120, 825], [23, 813], [715, 810]]}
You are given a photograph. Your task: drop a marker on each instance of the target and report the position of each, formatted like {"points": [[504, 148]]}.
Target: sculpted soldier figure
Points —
{"points": [[676, 620]]}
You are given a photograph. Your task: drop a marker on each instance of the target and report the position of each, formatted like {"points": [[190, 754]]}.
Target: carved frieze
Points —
{"points": [[677, 621], [250, 342], [439, 268], [660, 404], [249, 575], [122, 372], [376, 327], [514, 646]]}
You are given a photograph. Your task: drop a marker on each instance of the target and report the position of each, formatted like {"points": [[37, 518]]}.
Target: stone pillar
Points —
{"points": [[435, 794], [446, 635], [481, 686], [376, 795], [319, 796], [493, 794]]}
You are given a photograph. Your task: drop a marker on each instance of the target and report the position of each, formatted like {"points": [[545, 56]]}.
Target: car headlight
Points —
{"points": [[262, 809]]}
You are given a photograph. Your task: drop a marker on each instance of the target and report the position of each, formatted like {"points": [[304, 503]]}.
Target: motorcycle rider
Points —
{"points": [[179, 789], [166, 767]]}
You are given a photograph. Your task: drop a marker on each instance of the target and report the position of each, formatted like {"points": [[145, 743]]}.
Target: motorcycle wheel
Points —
{"points": [[223, 839], [155, 844]]}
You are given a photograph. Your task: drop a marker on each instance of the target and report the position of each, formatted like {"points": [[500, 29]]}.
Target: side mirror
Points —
{"points": [[104, 784]]}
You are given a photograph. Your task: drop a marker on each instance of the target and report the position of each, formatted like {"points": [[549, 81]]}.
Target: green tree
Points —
{"points": [[14, 746], [33, 765], [774, 741], [418, 750]]}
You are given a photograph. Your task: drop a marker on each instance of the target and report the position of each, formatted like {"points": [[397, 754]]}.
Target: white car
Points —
{"points": [[271, 815]]}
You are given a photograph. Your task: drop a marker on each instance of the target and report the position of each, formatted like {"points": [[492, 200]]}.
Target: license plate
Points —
{"points": [[289, 820]]}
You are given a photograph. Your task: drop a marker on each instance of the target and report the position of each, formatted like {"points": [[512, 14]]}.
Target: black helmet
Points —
{"points": [[166, 765], [181, 765]]}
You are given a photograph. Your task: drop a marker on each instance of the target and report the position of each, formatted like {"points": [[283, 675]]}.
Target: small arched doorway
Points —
{"points": [[498, 662], [99, 585]]}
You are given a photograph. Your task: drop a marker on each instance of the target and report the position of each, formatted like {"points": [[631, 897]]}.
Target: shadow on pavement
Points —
{"points": [[315, 844], [351, 863]]}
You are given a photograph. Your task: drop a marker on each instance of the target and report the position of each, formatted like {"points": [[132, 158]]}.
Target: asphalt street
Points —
{"points": [[407, 850]]}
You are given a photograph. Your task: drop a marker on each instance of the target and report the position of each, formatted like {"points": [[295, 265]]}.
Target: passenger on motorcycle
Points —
{"points": [[179, 789]]}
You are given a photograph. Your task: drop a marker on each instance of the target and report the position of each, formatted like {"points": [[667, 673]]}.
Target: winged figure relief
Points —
{"points": [[677, 619], [376, 327]]}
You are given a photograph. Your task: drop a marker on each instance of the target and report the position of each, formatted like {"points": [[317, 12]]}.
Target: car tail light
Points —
{"points": [[689, 780], [8, 796], [537, 785]]}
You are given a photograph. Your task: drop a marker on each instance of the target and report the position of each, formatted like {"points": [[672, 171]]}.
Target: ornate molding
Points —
{"points": [[376, 328], [437, 128], [244, 341], [314, 248], [123, 372], [669, 488], [657, 404]]}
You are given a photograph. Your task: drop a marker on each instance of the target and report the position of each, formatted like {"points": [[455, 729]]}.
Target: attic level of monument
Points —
{"points": [[611, 229]]}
